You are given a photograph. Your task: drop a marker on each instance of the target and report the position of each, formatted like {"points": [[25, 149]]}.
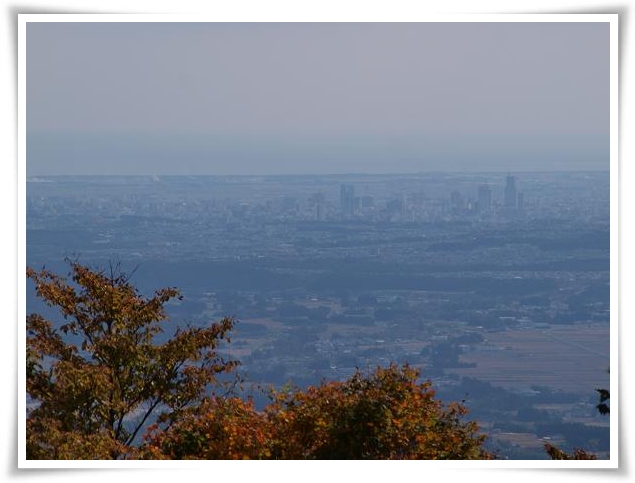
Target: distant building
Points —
{"points": [[511, 195], [484, 198], [456, 201], [319, 212], [357, 204], [521, 201], [347, 199], [320, 206]]}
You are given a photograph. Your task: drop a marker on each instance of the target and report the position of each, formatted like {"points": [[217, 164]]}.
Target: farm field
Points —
{"points": [[571, 358]]}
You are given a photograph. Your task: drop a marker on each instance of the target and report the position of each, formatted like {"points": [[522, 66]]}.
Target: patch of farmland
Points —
{"points": [[572, 358]]}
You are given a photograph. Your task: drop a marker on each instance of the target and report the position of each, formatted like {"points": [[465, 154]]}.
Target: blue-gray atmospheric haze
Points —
{"points": [[314, 98]]}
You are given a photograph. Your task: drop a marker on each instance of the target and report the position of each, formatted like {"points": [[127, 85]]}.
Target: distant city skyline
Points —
{"points": [[316, 98]]}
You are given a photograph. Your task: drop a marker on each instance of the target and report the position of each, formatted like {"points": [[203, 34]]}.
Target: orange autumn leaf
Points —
{"points": [[98, 378]]}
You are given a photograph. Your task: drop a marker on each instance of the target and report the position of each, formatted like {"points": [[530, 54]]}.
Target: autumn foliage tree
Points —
{"points": [[387, 414], [219, 429], [101, 376], [556, 453]]}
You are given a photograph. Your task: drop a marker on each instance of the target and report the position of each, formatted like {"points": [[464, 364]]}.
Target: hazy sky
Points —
{"points": [[232, 98]]}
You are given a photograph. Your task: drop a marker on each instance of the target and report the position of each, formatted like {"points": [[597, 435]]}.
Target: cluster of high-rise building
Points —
{"points": [[351, 205], [514, 200], [484, 203]]}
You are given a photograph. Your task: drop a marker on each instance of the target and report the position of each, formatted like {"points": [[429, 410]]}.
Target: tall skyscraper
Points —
{"points": [[511, 195], [484, 198], [347, 199], [320, 206], [456, 201]]}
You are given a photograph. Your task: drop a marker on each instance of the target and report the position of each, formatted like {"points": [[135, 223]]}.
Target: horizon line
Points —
{"points": [[315, 174]]}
